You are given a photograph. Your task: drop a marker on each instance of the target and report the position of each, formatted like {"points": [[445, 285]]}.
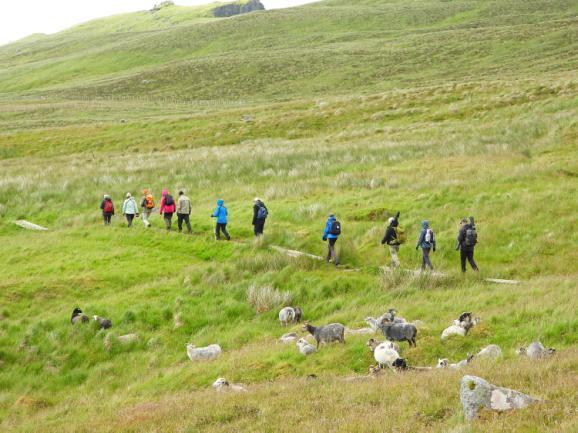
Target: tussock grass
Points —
{"points": [[265, 298]]}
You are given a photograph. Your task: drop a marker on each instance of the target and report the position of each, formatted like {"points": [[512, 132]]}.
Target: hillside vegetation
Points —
{"points": [[439, 109]]}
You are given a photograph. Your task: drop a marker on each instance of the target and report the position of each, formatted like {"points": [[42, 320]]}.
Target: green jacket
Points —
{"points": [[184, 205]]}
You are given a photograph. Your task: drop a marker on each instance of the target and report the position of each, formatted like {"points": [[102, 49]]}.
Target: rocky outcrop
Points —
{"points": [[476, 393], [240, 7]]}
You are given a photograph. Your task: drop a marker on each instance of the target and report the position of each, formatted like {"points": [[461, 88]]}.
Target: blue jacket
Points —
{"points": [[421, 242], [326, 234], [220, 212]]}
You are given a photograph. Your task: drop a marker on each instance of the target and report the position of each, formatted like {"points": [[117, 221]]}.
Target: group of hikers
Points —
{"points": [[182, 207], [394, 236]]}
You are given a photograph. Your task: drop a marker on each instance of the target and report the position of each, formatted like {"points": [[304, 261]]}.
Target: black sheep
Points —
{"points": [[78, 317]]}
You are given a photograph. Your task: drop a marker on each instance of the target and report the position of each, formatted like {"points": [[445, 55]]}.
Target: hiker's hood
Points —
{"points": [[220, 202], [425, 224], [128, 195], [165, 192], [331, 217], [392, 222]]}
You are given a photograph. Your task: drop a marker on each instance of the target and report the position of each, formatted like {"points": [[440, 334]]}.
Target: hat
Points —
{"points": [[390, 220], [106, 196], [257, 199], [128, 195]]}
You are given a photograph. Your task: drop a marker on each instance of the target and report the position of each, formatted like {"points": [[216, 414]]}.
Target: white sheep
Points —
{"points": [[461, 326], [492, 351], [454, 330], [444, 363], [536, 350], [203, 353], [385, 355], [305, 347], [288, 338], [286, 315], [222, 385]]}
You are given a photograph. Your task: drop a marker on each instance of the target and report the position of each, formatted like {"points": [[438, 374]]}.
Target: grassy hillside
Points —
{"points": [[438, 109]]}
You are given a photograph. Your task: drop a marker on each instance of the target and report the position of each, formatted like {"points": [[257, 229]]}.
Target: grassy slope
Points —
{"points": [[475, 114]]}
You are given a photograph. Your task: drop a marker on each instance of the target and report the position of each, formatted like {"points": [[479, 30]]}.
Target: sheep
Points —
{"points": [[536, 350], [399, 331], [491, 351], [288, 338], [305, 347], [102, 322], [78, 317], [373, 323], [391, 316], [203, 353], [444, 363], [327, 333], [461, 326], [372, 343], [385, 355], [222, 385], [286, 315], [298, 314]]}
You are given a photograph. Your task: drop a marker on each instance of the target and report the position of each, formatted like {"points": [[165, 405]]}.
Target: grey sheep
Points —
{"points": [[399, 331], [327, 333], [102, 322]]}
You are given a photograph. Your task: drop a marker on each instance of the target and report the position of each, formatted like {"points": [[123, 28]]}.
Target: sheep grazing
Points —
{"points": [[399, 331], [222, 385], [203, 353], [305, 347], [536, 350], [444, 363], [298, 314], [288, 338], [327, 333], [385, 355], [78, 317], [400, 364], [102, 322], [492, 351], [461, 326]]}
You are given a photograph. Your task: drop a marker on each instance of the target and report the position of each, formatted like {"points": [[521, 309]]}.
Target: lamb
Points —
{"points": [[491, 351], [286, 315], [102, 322], [444, 363], [78, 317], [399, 331], [222, 385], [305, 347], [203, 353], [288, 338], [536, 350], [327, 333]]}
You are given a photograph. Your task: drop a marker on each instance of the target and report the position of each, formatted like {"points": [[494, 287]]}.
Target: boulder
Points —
{"points": [[476, 393], [230, 9]]}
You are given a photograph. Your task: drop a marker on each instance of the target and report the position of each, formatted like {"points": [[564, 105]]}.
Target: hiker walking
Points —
{"points": [[129, 209], [167, 208], [147, 205], [467, 240], [107, 209], [184, 209], [331, 234], [260, 213], [394, 237], [222, 215], [426, 241]]}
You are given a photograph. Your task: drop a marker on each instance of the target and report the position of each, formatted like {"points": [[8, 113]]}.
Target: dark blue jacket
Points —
{"points": [[421, 242]]}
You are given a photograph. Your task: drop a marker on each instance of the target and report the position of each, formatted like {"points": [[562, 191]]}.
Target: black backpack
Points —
{"points": [[471, 237], [335, 228], [169, 201]]}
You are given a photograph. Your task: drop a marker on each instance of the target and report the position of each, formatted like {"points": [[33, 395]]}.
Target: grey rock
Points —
{"points": [[230, 9], [477, 393]]}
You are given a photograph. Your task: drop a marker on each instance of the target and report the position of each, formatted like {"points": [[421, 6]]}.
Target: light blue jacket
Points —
{"points": [[326, 234], [221, 212], [129, 206], [421, 242]]}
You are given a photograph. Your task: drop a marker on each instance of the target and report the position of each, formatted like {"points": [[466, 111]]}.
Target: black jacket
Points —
{"points": [[462, 239], [390, 234], [256, 208]]}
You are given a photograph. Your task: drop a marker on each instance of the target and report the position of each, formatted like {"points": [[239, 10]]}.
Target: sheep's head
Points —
{"points": [[76, 312], [400, 364], [306, 327], [469, 358], [302, 342], [521, 351], [442, 363], [551, 351], [372, 343], [220, 383], [374, 370]]}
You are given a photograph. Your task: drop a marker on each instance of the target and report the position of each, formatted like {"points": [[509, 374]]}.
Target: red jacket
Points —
{"points": [[167, 208]]}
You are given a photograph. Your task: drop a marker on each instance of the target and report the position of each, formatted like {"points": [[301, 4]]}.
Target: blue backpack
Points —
{"points": [[262, 213]]}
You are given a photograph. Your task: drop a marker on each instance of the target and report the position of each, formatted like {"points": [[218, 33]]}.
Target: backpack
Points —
{"points": [[429, 236], [169, 201], [149, 202], [262, 213], [335, 228], [471, 238], [400, 235], [108, 206]]}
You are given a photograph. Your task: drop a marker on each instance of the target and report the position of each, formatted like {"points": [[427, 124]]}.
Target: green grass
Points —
{"points": [[438, 109]]}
